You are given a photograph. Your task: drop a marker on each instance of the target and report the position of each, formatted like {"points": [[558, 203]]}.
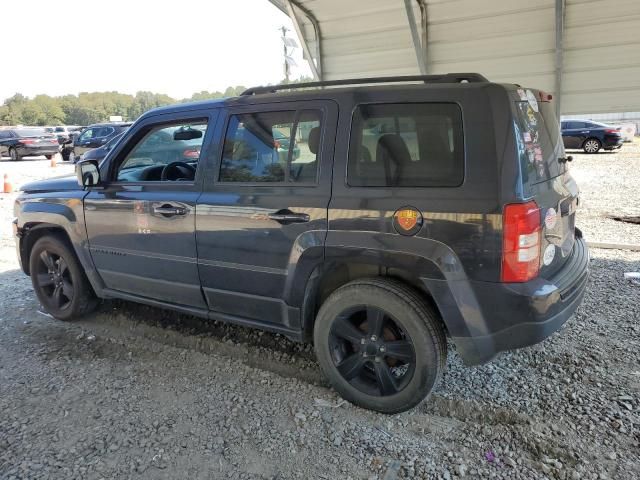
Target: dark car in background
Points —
{"points": [[99, 153], [64, 132], [26, 141], [93, 136], [590, 136]]}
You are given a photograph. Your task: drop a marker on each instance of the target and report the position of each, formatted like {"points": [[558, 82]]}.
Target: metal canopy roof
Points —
{"points": [[587, 50]]}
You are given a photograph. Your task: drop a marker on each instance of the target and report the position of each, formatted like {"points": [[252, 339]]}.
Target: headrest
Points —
{"points": [[392, 146], [314, 139]]}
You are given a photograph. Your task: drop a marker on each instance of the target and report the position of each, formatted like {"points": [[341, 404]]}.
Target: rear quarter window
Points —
{"points": [[406, 145]]}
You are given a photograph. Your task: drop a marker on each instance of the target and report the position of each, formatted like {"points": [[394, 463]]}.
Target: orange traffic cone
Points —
{"points": [[53, 163], [8, 188]]}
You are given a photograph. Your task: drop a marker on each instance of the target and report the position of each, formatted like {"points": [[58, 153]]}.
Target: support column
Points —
{"points": [[559, 59]]}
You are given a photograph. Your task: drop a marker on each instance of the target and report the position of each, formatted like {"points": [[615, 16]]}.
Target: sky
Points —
{"points": [[175, 47]]}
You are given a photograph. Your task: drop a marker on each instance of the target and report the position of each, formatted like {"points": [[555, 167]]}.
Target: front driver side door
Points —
{"points": [[141, 226]]}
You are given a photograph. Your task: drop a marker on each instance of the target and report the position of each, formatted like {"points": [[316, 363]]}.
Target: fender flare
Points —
{"points": [[67, 216], [433, 264]]}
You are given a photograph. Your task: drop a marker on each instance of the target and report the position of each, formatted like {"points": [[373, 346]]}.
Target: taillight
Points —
{"points": [[544, 96], [612, 130], [521, 232], [27, 141]]}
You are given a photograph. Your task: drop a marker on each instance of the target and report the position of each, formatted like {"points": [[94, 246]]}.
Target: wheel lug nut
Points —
{"points": [[373, 338], [382, 349], [362, 341]]}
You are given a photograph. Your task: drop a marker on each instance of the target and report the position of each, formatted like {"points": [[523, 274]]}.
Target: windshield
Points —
{"points": [[539, 142]]}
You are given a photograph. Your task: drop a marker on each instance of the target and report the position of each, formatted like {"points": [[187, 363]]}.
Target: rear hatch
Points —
{"points": [[545, 176]]}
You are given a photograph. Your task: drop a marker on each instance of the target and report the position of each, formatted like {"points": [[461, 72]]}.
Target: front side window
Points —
{"points": [[406, 145], [271, 147], [165, 153], [103, 132], [86, 135]]}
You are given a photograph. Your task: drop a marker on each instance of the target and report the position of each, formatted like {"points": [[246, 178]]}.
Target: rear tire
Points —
{"points": [[59, 280], [591, 145], [392, 371], [15, 156]]}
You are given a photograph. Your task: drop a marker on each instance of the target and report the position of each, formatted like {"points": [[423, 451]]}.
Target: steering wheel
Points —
{"points": [[180, 167]]}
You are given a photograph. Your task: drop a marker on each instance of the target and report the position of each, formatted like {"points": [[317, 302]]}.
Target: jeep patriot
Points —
{"points": [[372, 217]]}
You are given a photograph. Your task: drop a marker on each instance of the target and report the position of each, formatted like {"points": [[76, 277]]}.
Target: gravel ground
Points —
{"points": [[608, 184], [136, 392]]}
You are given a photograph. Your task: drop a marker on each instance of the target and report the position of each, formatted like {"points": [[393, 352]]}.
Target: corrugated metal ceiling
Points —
{"points": [[595, 58]]}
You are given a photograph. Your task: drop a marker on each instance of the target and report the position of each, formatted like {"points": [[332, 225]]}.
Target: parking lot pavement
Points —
{"points": [[136, 392]]}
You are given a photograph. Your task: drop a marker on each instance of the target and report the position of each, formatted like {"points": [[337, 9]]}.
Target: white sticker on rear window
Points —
{"points": [[522, 94], [531, 98], [526, 136]]}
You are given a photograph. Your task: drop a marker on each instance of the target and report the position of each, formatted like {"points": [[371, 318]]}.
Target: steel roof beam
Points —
{"points": [[315, 69], [419, 48]]}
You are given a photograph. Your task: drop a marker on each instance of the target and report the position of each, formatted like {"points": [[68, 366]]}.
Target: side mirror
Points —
{"points": [[88, 173]]}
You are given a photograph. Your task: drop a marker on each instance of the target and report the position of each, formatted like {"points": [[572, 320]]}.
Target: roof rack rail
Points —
{"points": [[444, 78]]}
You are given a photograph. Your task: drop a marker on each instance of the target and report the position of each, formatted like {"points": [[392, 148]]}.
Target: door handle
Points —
{"points": [[169, 210], [585, 131], [287, 216]]}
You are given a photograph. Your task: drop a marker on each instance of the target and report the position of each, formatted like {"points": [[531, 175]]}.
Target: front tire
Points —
{"points": [[59, 280], [380, 345], [591, 145]]}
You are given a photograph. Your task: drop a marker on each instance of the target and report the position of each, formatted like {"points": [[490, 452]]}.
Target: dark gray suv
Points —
{"points": [[373, 220]]}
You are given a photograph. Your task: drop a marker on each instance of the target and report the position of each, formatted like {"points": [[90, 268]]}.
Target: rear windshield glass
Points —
{"points": [[539, 142], [30, 132]]}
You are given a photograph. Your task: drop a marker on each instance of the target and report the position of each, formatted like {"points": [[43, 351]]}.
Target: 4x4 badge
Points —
{"points": [[407, 221]]}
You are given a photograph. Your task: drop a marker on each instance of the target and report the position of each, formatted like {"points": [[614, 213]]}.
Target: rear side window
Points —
{"points": [[272, 147], [406, 145]]}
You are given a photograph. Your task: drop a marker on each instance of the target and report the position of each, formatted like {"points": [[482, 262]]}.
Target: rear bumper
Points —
{"points": [[517, 315], [45, 150], [612, 142]]}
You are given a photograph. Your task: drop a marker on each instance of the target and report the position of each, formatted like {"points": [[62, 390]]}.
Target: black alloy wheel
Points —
{"points": [[54, 280], [372, 351], [60, 283], [380, 344]]}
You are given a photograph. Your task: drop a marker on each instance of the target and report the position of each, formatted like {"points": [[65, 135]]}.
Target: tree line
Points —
{"points": [[87, 108]]}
